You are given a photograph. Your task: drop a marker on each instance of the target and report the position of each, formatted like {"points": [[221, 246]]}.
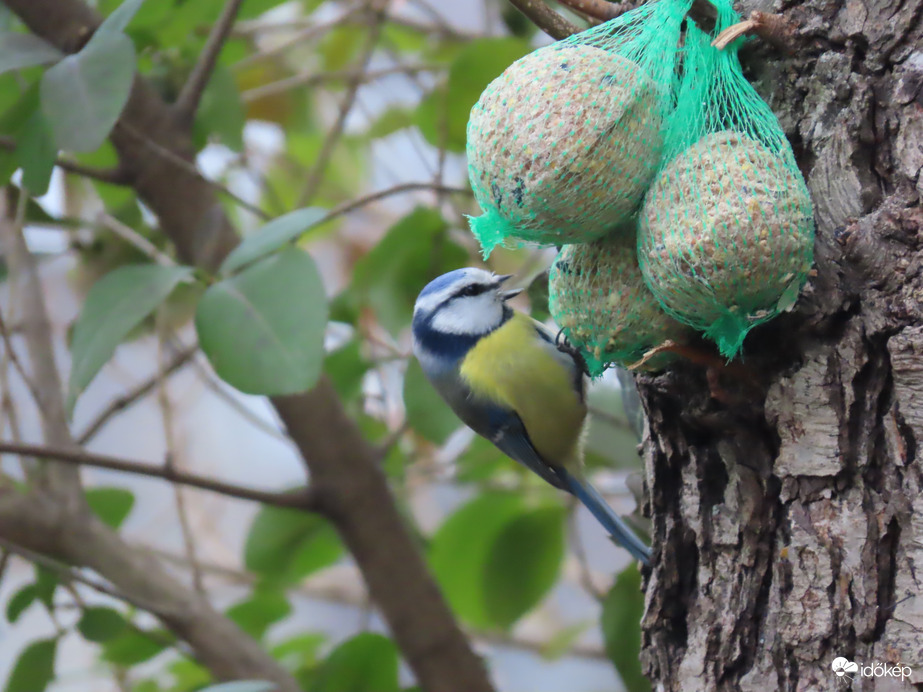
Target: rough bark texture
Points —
{"points": [[787, 512]]}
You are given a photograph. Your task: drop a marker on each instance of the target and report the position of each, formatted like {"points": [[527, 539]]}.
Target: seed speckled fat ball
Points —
{"points": [[562, 146], [598, 297], [726, 230]]}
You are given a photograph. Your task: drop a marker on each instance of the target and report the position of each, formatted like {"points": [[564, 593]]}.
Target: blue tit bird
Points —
{"points": [[504, 375]]}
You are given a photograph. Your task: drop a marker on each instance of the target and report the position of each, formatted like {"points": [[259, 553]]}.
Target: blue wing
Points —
{"points": [[510, 436]]}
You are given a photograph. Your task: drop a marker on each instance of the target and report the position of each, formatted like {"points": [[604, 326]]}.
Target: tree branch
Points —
{"points": [[191, 94], [180, 359], [316, 175], [602, 10], [545, 18], [341, 461], [114, 176], [53, 517], [305, 500]]}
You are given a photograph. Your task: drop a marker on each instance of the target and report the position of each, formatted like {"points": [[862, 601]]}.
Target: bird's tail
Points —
{"points": [[617, 528]]}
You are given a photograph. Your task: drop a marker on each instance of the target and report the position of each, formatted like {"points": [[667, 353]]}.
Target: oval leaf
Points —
{"points": [[263, 329], [460, 549], [25, 50], [114, 306], [111, 505], [20, 601], [621, 626], [524, 563], [37, 154], [271, 237], [121, 16], [84, 94], [366, 662], [135, 646], [35, 667], [99, 624], [285, 545], [255, 614]]}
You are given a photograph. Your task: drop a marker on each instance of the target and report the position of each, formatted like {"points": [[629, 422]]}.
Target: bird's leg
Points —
{"points": [[563, 345]]}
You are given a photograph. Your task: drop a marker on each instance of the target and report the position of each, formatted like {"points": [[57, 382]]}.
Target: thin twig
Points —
{"points": [[337, 585], [10, 354], [218, 389], [118, 404], [316, 175], [312, 77], [169, 430], [132, 237], [189, 168], [545, 18], [772, 28], [354, 204], [306, 500], [70, 574], [191, 94], [313, 30], [114, 176]]}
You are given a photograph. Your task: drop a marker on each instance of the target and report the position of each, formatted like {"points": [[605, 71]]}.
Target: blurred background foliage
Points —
{"points": [[357, 114]]}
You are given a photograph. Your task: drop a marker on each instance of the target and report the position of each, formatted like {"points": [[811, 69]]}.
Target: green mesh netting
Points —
{"points": [[597, 296], [726, 233], [563, 144]]}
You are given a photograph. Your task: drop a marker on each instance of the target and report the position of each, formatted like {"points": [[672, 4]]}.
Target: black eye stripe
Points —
{"points": [[471, 290]]}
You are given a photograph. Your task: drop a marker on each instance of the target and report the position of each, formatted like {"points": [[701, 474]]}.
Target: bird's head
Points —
{"points": [[465, 304]]}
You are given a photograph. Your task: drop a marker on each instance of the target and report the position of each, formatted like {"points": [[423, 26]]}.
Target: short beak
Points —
{"points": [[512, 293]]}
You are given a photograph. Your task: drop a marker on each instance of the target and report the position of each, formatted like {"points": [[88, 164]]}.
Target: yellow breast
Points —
{"points": [[511, 367]]}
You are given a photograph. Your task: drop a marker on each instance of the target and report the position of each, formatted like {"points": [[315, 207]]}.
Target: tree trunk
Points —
{"points": [[786, 499]]}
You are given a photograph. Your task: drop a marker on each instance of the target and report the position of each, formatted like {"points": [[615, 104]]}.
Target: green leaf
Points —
{"points": [[621, 627], [99, 624], [481, 461], [111, 505], [461, 548], [37, 154], [84, 94], [445, 110], [46, 583], [390, 121], [301, 651], [346, 367], [427, 413], [524, 563], [271, 237], [133, 647], [120, 18], [414, 250], [115, 305], [20, 601], [364, 663], [242, 686], [188, 676], [255, 614], [263, 329], [285, 545], [220, 114], [34, 669], [25, 50]]}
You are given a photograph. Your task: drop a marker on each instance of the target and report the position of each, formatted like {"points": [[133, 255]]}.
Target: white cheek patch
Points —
{"points": [[475, 315]]}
